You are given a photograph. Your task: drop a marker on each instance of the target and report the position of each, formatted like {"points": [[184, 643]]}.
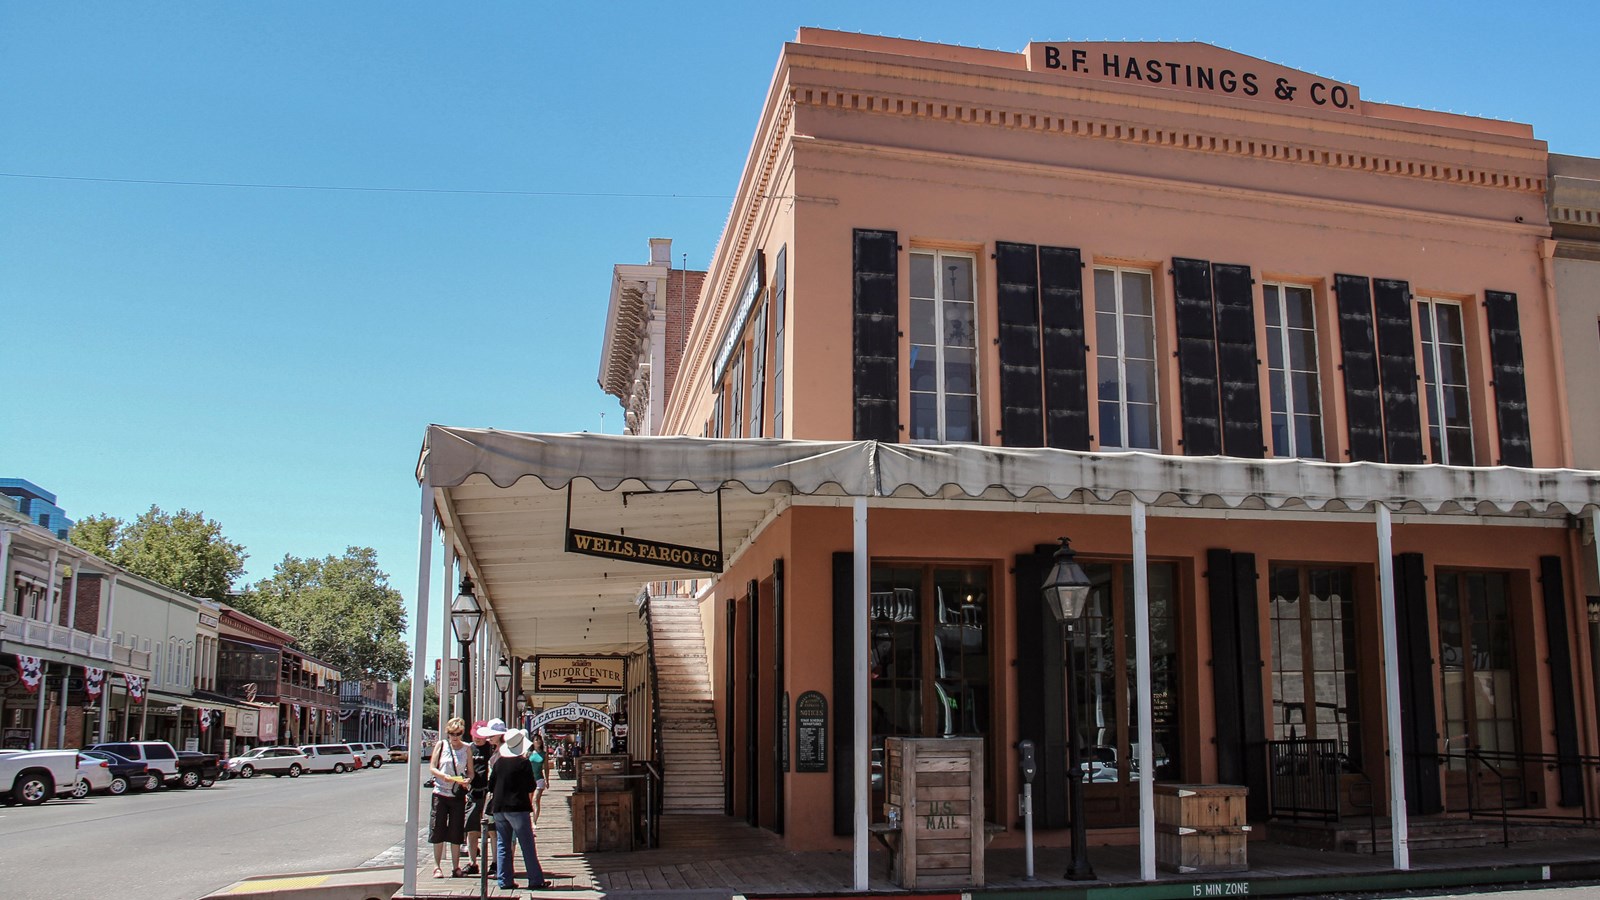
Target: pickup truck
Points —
{"points": [[198, 769], [30, 777]]}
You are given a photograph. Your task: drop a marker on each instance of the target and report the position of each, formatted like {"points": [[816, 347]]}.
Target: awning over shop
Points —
{"points": [[506, 501], [508, 497]]}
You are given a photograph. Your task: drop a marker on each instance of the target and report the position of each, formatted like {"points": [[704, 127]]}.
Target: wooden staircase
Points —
{"points": [[691, 763]]}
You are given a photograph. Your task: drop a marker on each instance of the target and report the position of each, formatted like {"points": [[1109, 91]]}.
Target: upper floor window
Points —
{"points": [[780, 280], [944, 347], [1125, 335], [1294, 388], [736, 397], [1444, 375], [758, 373]]}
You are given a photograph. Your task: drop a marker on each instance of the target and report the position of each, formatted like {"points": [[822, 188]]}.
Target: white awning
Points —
{"points": [[506, 497]]}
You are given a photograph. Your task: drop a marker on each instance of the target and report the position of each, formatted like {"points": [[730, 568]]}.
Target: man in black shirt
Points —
{"points": [[511, 787]]}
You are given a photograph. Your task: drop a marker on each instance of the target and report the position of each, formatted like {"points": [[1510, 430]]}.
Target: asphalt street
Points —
{"points": [[175, 844]]}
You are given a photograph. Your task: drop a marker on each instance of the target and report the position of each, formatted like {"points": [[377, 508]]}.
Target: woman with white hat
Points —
{"points": [[511, 788]]}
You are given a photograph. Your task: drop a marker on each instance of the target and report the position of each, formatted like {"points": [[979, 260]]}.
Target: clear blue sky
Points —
{"points": [[270, 356]]}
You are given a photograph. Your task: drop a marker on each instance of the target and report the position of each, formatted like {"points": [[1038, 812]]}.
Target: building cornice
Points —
{"points": [[1209, 141]]}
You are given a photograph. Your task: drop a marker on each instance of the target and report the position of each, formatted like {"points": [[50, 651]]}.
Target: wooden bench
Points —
{"points": [[889, 836]]}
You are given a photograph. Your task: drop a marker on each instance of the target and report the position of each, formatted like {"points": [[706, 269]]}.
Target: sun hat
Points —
{"points": [[491, 728], [516, 741]]}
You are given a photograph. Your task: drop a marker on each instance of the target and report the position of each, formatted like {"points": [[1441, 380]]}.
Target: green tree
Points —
{"points": [[430, 702], [340, 610], [182, 550]]}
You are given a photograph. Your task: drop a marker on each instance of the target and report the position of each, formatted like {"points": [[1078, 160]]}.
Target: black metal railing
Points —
{"points": [[1364, 796], [1303, 779], [1510, 800]]}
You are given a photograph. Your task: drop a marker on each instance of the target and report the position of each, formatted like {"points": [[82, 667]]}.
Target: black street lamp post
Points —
{"points": [[1066, 591], [465, 616]]}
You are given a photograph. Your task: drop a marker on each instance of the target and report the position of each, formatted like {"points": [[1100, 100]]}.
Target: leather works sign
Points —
{"points": [[578, 673], [656, 553]]}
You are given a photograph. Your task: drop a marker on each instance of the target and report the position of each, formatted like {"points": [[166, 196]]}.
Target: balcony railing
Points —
{"points": [[50, 636]]}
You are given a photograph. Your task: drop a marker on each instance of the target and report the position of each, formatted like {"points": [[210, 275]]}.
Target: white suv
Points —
{"points": [[158, 755], [373, 756], [329, 758], [279, 761]]}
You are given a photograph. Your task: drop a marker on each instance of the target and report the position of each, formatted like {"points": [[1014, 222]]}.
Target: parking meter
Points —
{"points": [[1030, 767]]}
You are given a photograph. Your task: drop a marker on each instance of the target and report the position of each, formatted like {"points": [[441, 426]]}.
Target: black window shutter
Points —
{"points": [[876, 314], [1418, 734], [1562, 677], [1252, 716], [1066, 373], [1016, 270], [1041, 712], [1397, 363], [1362, 402], [1238, 371], [1197, 357], [752, 699], [1225, 675], [731, 689], [1510, 386], [843, 712], [780, 734]]}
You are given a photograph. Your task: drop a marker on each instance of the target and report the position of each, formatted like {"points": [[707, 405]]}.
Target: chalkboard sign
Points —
{"points": [[811, 723], [783, 734]]}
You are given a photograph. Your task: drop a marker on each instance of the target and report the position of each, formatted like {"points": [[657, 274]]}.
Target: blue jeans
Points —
{"points": [[519, 825]]}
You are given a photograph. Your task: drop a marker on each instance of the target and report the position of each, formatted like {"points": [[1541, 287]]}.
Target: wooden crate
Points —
{"points": [[1201, 828], [616, 821], [934, 787], [590, 767]]}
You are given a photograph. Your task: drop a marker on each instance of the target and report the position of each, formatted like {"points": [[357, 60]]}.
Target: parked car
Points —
{"points": [[158, 755], [399, 753], [30, 777], [198, 769], [93, 775], [329, 758], [126, 774], [372, 754], [276, 761]]}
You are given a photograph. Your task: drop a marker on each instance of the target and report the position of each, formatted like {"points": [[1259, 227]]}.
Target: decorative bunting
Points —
{"points": [[94, 681], [32, 669], [205, 720], [135, 687], [296, 708]]}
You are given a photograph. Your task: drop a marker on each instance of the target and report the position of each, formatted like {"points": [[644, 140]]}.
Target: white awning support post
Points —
{"points": [[419, 650], [449, 701], [863, 696], [1391, 692], [1141, 642]]}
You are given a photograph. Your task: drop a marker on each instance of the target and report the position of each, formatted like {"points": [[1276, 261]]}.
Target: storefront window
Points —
{"points": [[1477, 663], [929, 654], [1314, 686], [1105, 675]]}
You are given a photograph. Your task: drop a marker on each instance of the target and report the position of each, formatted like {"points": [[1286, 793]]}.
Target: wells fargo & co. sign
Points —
{"points": [[632, 549]]}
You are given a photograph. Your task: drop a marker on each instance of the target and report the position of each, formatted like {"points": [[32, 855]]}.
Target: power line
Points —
{"points": [[619, 195]]}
